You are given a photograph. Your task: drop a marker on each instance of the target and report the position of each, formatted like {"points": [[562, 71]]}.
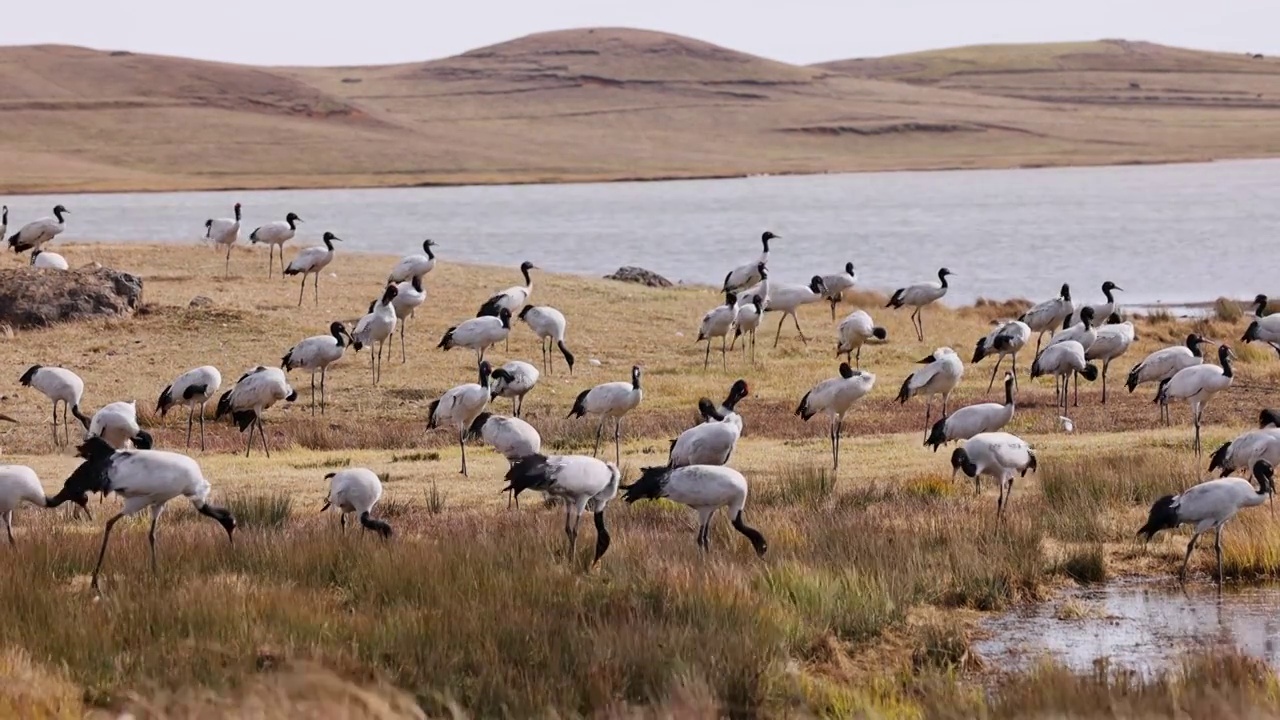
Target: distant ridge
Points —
{"points": [[615, 103]]}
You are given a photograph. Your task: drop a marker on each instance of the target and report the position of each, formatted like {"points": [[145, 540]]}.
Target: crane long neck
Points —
{"points": [[329, 244], [1261, 310], [942, 277], [237, 209], [1107, 291], [58, 213], [528, 281], [1227, 369], [426, 247], [1008, 391], [292, 223]]}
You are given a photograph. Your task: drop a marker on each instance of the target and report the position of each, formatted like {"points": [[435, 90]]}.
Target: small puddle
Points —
{"points": [[1138, 625]]}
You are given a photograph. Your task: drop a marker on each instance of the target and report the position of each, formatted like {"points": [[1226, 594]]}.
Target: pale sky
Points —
{"points": [[325, 32]]}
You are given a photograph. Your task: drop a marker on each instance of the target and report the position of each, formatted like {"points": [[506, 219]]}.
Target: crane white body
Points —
{"points": [[414, 265], [478, 334], [356, 490], [1245, 450], [36, 233], [311, 261], [710, 442], [918, 296], [1102, 310], [511, 437], [974, 419], [1048, 316], [117, 423], [193, 388], [856, 330], [746, 322], [1264, 328], [274, 235], [787, 298], [748, 274], [1165, 363], [513, 298], [706, 489], [1007, 339], [835, 285], [18, 484], [375, 327], [581, 482], [1064, 360], [834, 397], [549, 325], [410, 295], [718, 323], [314, 355], [610, 400], [940, 375], [1196, 385], [997, 455], [459, 407], [514, 380], [1110, 342], [50, 260], [61, 386], [253, 394], [224, 231]]}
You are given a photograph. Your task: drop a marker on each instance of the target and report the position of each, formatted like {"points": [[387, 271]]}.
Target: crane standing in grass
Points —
{"points": [[610, 400], [275, 234], [940, 375], [310, 262], [581, 482], [918, 296], [193, 388], [224, 231]]}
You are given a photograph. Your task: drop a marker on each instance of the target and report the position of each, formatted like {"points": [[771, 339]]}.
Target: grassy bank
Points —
{"points": [[874, 582]]}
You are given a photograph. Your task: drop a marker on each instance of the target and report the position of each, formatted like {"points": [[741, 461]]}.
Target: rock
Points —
{"points": [[200, 301], [30, 297], [639, 275]]}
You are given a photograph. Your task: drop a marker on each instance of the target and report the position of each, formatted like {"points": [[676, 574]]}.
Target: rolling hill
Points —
{"points": [[607, 104]]}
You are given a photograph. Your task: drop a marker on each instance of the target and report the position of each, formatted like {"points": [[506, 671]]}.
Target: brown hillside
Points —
{"points": [[591, 104]]}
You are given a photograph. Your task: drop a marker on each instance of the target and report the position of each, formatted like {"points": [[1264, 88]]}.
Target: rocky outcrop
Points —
{"points": [[39, 297], [639, 275]]}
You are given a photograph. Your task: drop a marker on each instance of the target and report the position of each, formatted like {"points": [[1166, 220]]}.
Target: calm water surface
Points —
{"points": [[1171, 233]]}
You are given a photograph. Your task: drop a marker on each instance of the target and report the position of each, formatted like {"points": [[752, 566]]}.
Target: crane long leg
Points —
{"points": [[463, 445], [249, 447], [920, 320], [1105, 364], [1015, 372], [779, 333], [151, 535], [599, 434], [857, 358], [226, 268], [201, 427], [102, 553], [1182, 574], [993, 373], [617, 441], [191, 411], [724, 361], [1217, 548], [302, 288], [839, 431], [55, 423], [263, 434], [315, 286], [706, 359], [796, 320], [928, 414], [324, 372], [313, 394], [1075, 376], [403, 358]]}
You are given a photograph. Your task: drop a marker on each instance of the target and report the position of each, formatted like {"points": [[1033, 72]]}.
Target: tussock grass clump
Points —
{"points": [[325, 464], [799, 484], [1227, 310], [943, 646], [1086, 565], [1251, 546], [416, 457], [1083, 488], [850, 606], [269, 511], [435, 500]]}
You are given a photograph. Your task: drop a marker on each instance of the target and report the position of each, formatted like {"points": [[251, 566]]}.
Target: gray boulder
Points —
{"points": [[639, 275], [39, 297]]}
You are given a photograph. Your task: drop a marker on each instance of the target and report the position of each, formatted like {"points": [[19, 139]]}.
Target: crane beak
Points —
{"points": [[926, 361]]}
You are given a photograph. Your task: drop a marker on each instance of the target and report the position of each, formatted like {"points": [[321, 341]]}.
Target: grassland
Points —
{"points": [[607, 104], [875, 580]]}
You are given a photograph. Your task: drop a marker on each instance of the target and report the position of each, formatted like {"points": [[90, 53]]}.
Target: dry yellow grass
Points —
{"points": [[608, 104]]}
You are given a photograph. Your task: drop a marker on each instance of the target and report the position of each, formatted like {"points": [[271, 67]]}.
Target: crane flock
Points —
{"points": [[118, 457]]}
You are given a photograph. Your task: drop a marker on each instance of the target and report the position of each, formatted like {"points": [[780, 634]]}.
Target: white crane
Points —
{"points": [[410, 295], [18, 484], [759, 290], [414, 265], [710, 442], [786, 298], [479, 333], [310, 261], [356, 490], [974, 419], [513, 298], [1007, 339], [834, 286], [375, 327], [1063, 360], [579, 481], [918, 296], [549, 325], [145, 479], [514, 380], [459, 406], [998, 455], [834, 397], [51, 260], [940, 375], [315, 354], [1197, 385], [193, 388], [1082, 332], [1208, 506], [746, 322], [1164, 363], [610, 400], [61, 386], [1048, 316], [1247, 448], [856, 330], [706, 489], [717, 323], [512, 437], [117, 423], [38, 232], [253, 394], [748, 274], [224, 231], [1110, 342], [1264, 328], [275, 234], [1101, 310], [729, 408]]}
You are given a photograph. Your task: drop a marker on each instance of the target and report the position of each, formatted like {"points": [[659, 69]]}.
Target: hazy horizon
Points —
{"points": [[803, 32]]}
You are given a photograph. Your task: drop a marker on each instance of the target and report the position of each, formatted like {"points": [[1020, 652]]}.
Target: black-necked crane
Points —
{"points": [[512, 437], [356, 490], [1101, 310], [974, 420], [1082, 332], [856, 330], [710, 442], [787, 298], [459, 406], [414, 265], [274, 235], [253, 394], [375, 327], [940, 375], [38, 232], [314, 355], [61, 386], [513, 299], [1247, 448], [918, 296], [1048, 316], [1165, 363], [834, 397], [706, 489], [610, 400], [50, 260], [581, 482], [1007, 339], [410, 295], [748, 274], [117, 423], [835, 285], [1264, 328], [193, 388], [514, 380], [549, 325], [998, 455], [224, 231], [1197, 385], [311, 261], [729, 408], [1209, 506], [746, 322], [18, 484], [1064, 360], [1110, 342], [717, 323], [145, 480], [478, 334]]}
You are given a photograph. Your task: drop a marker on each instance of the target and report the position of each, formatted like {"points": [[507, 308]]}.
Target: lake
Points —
{"points": [[1166, 233]]}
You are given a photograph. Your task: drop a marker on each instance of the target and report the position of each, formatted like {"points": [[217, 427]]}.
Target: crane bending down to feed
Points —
{"points": [[918, 296], [1164, 364], [857, 330], [786, 298], [356, 490], [18, 484], [1209, 506], [61, 386], [974, 419], [549, 325], [999, 456], [706, 489], [581, 482]]}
